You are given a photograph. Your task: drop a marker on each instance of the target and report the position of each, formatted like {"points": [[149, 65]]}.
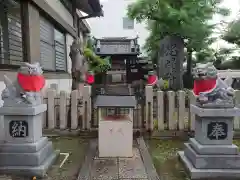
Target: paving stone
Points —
{"points": [[104, 169], [132, 167], [133, 179], [3, 177], [104, 158]]}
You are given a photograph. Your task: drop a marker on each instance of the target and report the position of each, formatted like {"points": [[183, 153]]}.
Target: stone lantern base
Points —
{"points": [[211, 154], [24, 150]]}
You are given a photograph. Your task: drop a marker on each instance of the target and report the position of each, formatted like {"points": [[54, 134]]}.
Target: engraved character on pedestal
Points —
{"points": [[18, 129], [217, 130]]}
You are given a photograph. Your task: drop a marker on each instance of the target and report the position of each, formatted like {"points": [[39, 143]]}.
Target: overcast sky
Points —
{"points": [[234, 6]]}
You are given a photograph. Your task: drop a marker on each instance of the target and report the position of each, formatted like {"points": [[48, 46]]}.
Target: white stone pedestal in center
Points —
{"points": [[115, 130], [115, 138]]}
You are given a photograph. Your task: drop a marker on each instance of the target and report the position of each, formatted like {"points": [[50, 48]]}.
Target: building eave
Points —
{"points": [[50, 12], [83, 23], [91, 7]]}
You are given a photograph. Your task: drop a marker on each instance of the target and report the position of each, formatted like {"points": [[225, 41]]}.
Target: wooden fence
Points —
{"points": [[68, 111], [161, 111]]}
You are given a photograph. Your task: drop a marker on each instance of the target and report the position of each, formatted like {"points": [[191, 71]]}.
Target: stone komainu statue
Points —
{"points": [[26, 89], [210, 90]]}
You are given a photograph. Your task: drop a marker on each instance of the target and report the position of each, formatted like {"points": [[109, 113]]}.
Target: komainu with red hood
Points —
{"points": [[210, 90], [26, 90]]}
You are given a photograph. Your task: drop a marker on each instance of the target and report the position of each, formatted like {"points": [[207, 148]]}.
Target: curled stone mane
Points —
{"points": [[33, 69], [204, 71]]}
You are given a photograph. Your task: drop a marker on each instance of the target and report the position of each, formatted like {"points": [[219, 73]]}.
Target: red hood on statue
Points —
{"points": [[31, 83], [204, 85], [152, 79]]}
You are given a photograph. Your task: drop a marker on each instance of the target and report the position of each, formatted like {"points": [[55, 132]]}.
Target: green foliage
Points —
{"points": [[234, 63], [188, 19], [217, 57], [205, 55], [233, 33], [90, 43], [96, 63]]}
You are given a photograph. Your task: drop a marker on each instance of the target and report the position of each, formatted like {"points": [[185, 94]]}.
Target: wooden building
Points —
{"points": [[43, 31], [123, 53]]}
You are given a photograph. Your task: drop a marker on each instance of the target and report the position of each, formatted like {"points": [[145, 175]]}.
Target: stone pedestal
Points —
{"points": [[115, 130], [24, 150], [211, 153], [115, 138]]}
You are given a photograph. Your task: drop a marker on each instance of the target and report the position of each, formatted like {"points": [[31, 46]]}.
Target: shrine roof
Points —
{"points": [[115, 101], [115, 39]]}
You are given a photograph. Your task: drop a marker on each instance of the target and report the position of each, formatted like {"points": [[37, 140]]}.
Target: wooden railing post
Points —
{"points": [[2, 132], [149, 107], [51, 93], [171, 110], [45, 114], [181, 109], [237, 104], [191, 120], [63, 110], [74, 109], [160, 109], [87, 106]]}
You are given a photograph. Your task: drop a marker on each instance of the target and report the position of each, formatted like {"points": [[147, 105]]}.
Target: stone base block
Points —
{"points": [[214, 112], [211, 161], [23, 111], [26, 159], [207, 173], [30, 171], [213, 149], [24, 147]]}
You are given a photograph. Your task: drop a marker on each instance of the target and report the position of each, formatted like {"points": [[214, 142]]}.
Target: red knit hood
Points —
{"points": [[204, 85], [31, 83]]}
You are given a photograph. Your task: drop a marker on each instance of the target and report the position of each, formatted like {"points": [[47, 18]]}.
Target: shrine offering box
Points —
{"points": [[115, 133]]}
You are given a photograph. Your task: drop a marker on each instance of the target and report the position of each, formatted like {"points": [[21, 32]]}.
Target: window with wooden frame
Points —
{"points": [[60, 50], [52, 47], [11, 41]]}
